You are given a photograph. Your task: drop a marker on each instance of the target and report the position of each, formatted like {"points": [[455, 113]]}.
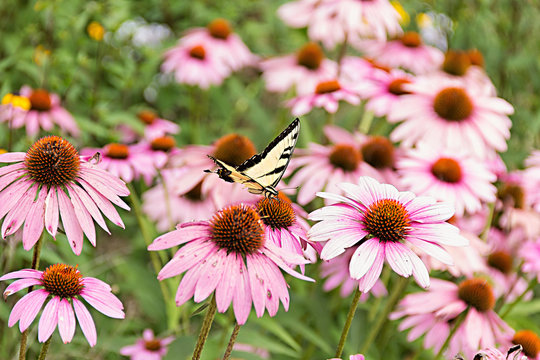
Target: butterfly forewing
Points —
{"points": [[268, 167]]}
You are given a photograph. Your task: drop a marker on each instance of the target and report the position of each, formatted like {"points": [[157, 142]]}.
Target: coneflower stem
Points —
{"points": [[532, 284], [341, 53], [457, 324], [35, 265], [347, 326], [487, 225], [44, 349], [385, 277], [232, 340], [365, 122], [154, 257], [397, 291], [205, 329]]}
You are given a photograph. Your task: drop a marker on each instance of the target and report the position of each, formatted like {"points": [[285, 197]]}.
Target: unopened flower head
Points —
{"points": [[63, 287], [52, 183]]}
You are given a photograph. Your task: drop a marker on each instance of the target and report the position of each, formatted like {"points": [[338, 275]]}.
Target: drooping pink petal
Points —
{"points": [[212, 272], [85, 322], [27, 309], [33, 226], [104, 205], [187, 257], [10, 157], [363, 258], [49, 319], [91, 206], [242, 295], [83, 216], [24, 274], [179, 237], [51, 212], [103, 304], [73, 229], [66, 321], [17, 214], [19, 285], [225, 289]]}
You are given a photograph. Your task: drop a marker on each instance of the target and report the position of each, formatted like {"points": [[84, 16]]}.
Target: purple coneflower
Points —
{"points": [[147, 348], [51, 182], [63, 285], [229, 256], [383, 223]]}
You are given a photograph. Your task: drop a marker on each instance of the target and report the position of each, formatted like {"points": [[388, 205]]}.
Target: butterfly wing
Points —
{"points": [[268, 167], [231, 174]]}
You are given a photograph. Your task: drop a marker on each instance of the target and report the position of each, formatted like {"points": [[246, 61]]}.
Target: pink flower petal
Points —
{"points": [[242, 295], [19, 285], [66, 321], [49, 319], [27, 309], [364, 257], [91, 207], [24, 274], [51, 212], [104, 304], [85, 322], [83, 216], [33, 226], [12, 157], [74, 232]]}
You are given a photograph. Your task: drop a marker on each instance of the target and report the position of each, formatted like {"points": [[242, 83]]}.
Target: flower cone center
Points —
{"points": [[40, 100], [238, 229], [147, 116], [195, 194], [500, 260], [197, 52], [219, 29], [512, 194], [117, 151], [477, 293], [376, 65], [152, 345], [411, 39], [476, 57], [62, 280], [396, 87], [447, 170], [163, 143], [387, 220], [453, 104], [234, 149], [52, 161], [326, 87], [276, 212], [456, 62], [310, 56], [378, 152], [345, 157], [530, 342]]}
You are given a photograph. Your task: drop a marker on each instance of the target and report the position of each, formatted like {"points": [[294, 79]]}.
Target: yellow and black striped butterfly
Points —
{"points": [[262, 172]]}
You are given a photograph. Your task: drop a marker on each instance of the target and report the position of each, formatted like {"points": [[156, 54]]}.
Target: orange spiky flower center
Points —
{"points": [[326, 87], [238, 229], [234, 149], [197, 52], [456, 62], [477, 293], [152, 345], [62, 280], [147, 116], [396, 87], [163, 143], [501, 260], [378, 152], [219, 29], [529, 341], [276, 212], [40, 100], [117, 151], [387, 220], [345, 157], [475, 57], [453, 104], [411, 39], [52, 161], [310, 56], [447, 170]]}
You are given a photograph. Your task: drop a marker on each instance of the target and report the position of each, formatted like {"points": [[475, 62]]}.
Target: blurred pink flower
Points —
{"points": [[332, 22], [352, 357], [129, 162], [183, 207], [327, 95], [155, 126], [63, 285], [303, 71], [444, 301], [259, 351], [51, 182], [384, 223], [532, 178], [448, 175], [195, 65], [147, 348], [233, 259], [325, 166], [530, 253], [336, 271], [407, 52], [45, 111], [445, 114], [219, 39]]}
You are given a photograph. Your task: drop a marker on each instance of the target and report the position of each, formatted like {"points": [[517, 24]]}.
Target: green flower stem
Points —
{"points": [[342, 52], [397, 291], [347, 326], [532, 284], [35, 266], [487, 225], [232, 340], [44, 349], [457, 324], [366, 121], [385, 277], [154, 257], [205, 329]]}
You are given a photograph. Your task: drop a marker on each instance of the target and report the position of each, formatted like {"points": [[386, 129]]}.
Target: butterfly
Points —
{"points": [[262, 172]]}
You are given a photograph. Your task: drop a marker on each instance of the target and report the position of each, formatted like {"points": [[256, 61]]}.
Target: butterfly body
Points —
{"points": [[262, 172]]}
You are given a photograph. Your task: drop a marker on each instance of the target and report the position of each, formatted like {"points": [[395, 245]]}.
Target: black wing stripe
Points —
{"points": [[275, 171]]}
